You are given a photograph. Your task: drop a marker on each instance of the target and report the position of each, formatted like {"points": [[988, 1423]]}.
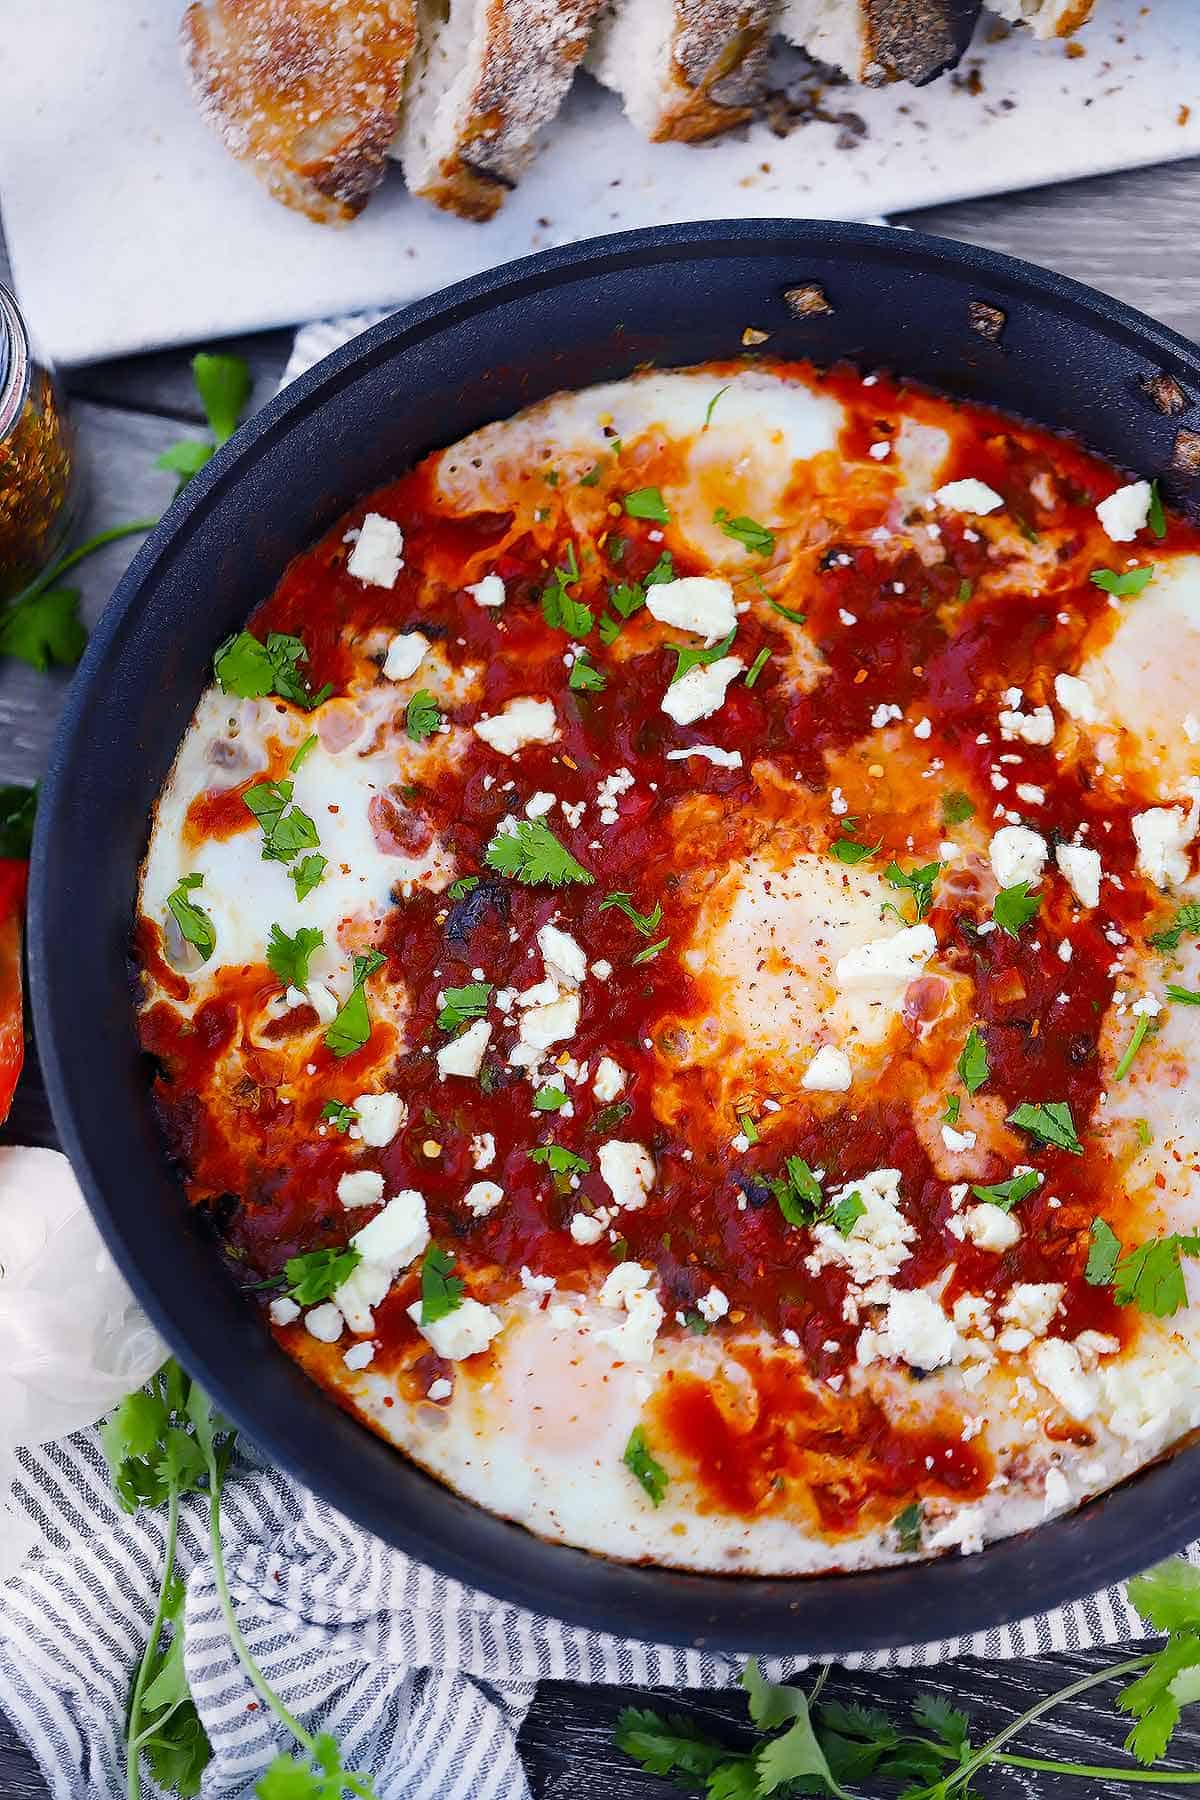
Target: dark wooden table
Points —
{"points": [[1135, 235]]}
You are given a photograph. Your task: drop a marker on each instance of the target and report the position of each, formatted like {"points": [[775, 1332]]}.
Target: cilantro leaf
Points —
{"points": [[798, 1192], [533, 855], [549, 1099], [647, 503], [688, 656], [223, 383], [195, 927], [44, 629], [667, 1744], [458, 890], [846, 1213], [1185, 923], [1051, 1123], [185, 458], [441, 1292], [17, 808], [585, 677], [314, 1276], [953, 1109], [250, 669], [908, 1525], [1150, 1276], [626, 598], [643, 1467], [1151, 1700], [663, 570], [957, 807], [561, 1161], [786, 612], [1168, 1596], [849, 850], [1013, 907], [1129, 581], [645, 923], [422, 716], [757, 666], [338, 1114], [973, 1063], [287, 957], [286, 828], [1182, 996], [560, 611], [1155, 518], [1104, 1254], [649, 952], [350, 1027], [610, 1116], [463, 1003], [1007, 1194], [307, 873], [794, 1756], [747, 532], [918, 882], [1141, 1026]]}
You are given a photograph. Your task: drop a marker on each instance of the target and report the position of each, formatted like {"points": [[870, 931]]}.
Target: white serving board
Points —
{"points": [[130, 228]]}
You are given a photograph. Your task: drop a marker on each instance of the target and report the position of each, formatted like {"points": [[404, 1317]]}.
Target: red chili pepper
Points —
{"points": [[13, 877]]}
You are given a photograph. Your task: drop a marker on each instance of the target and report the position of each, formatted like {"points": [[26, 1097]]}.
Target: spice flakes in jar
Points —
{"points": [[38, 487]]}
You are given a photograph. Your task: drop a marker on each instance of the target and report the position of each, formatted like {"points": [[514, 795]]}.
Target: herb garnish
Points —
{"points": [[785, 612], [441, 1292], [849, 849], [973, 1063], [287, 957], [223, 383], [458, 890], [350, 1027], [1007, 1194], [957, 807], [560, 611], [250, 669], [645, 923], [708, 411], [286, 828], [319, 1273], [1155, 517], [748, 533], [1185, 923], [532, 854], [462, 1003], [560, 1160], [549, 1099], [422, 716], [757, 666], [1148, 1276], [688, 656], [1129, 581], [647, 503], [338, 1114], [650, 952], [1013, 907], [195, 927], [918, 882], [642, 1466], [1141, 1026], [307, 873], [798, 1192], [1051, 1123], [585, 677]]}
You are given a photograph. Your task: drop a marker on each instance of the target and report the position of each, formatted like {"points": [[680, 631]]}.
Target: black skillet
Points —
{"points": [[1065, 356]]}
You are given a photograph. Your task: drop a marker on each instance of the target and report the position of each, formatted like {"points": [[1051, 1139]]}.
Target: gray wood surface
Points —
{"points": [[1136, 235]]}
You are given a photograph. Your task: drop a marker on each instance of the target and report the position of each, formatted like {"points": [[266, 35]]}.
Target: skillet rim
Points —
{"points": [[1148, 1516]]}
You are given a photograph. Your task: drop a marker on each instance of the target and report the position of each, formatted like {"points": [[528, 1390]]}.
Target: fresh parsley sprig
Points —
{"points": [[288, 957], [1148, 1276], [195, 926], [252, 668], [223, 384], [1013, 907], [532, 855], [918, 882]]}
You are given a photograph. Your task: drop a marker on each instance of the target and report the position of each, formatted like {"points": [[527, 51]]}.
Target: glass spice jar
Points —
{"points": [[38, 484]]}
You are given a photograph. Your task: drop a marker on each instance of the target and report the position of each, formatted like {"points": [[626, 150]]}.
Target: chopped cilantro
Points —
{"points": [[1051, 1123], [641, 1465], [441, 1292], [647, 503], [458, 890], [1156, 518], [645, 923], [1150, 1276], [287, 957], [307, 873], [918, 882], [1129, 581], [973, 1063], [757, 666], [907, 1526], [350, 1026], [785, 612], [966, 588], [747, 532], [593, 474], [195, 927], [689, 656], [708, 411], [953, 1109], [609, 1117], [1104, 1253], [650, 951], [846, 1214], [314, 1276], [848, 849], [1007, 1194], [957, 808], [798, 1192], [1141, 1026], [422, 716], [533, 855], [663, 570], [285, 827], [561, 1161], [549, 1099], [250, 669], [608, 628], [1184, 996], [463, 1003], [1185, 923], [338, 1114], [560, 611], [1014, 906], [748, 1128], [626, 597], [585, 677]]}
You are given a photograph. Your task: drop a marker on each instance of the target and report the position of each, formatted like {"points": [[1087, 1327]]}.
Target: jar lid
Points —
{"points": [[14, 361]]}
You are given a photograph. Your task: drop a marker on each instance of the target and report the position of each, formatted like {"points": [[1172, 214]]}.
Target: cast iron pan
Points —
{"points": [[1068, 358]]}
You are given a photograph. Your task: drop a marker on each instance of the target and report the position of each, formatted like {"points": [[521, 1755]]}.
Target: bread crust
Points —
{"points": [[306, 92]]}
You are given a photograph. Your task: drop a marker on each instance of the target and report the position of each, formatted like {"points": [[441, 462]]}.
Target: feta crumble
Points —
{"points": [[1125, 512], [405, 654], [380, 1117], [464, 1055], [360, 1187], [968, 495], [1081, 869], [466, 1331], [699, 603], [488, 592], [377, 557], [517, 724], [829, 1071], [482, 1198], [701, 692], [610, 1080], [1017, 854], [628, 1169]]}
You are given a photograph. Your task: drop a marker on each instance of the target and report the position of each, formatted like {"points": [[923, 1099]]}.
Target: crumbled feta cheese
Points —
{"points": [[878, 1241], [629, 1286], [922, 729], [364, 1288], [405, 654], [395, 1237], [885, 961], [483, 1197], [284, 1311], [1076, 699], [713, 1305], [917, 1331], [724, 759], [518, 723], [1028, 1311], [537, 1284], [1125, 512], [957, 1141], [441, 1389], [968, 496], [602, 969], [1081, 868], [323, 1001], [565, 962], [573, 811], [539, 804], [359, 1356], [464, 1054], [483, 1150], [880, 450], [701, 692], [628, 1168], [466, 1331], [829, 1071], [1058, 1492], [1162, 835], [884, 714], [380, 1117], [488, 592], [1017, 854], [377, 557], [324, 1322], [1059, 1367], [991, 1228], [699, 603], [1030, 794], [1036, 727], [542, 1026], [589, 1228], [972, 1312], [610, 1080], [963, 1529], [361, 1187]]}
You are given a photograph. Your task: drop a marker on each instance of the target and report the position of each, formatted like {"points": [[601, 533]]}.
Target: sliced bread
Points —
{"points": [[875, 41], [306, 93], [1045, 18], [685, 69], [488, 74]]}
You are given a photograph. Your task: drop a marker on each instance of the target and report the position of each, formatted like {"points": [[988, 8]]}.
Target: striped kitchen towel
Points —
{"points": [[423, 1681]]}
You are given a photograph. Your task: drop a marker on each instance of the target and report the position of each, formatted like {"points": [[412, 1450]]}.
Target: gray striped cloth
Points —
{"points": [[424, 1682]]}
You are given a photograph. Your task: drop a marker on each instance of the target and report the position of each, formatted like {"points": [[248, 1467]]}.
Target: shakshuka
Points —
{"points": [[671, 950]]}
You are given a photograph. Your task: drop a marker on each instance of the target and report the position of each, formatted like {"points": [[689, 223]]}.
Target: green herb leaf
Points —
{"points": [[757, 666], [626, 598], [315, 1275], [302, 752], [747, 532], [796, 1755], [1051, 1123], [1150, 1276], [1156, 518], [287, 957], [1007, 1194], [610, 1116], [667, 1744], [1104, 1254], [846, 1214], [1141, 1026], [798, 1192], [549, 1099], [561, 1161], [748, 1128], [642, 1466], [250, 669], [307, 873], [339, 1115], [1182, 996], [350, 1027], [585, 677], [957, 807], [973, 1063], [966, 588], [786, 612], [44, 629], [688, 656], [953, 1109], [1186, 923], [1013, 907], [850, 850], [17, 808], [458, 890], [708, 411], [286, 828], [422, 716], [650, 952], [908, 1525], [463, 1003], [532, 855], [441, 1292], [1129, 581], [185, 458], [647, 503], [195, 927], [1168, 1596], [663, 570], [918, 882], [645, 923], [223, 383]]}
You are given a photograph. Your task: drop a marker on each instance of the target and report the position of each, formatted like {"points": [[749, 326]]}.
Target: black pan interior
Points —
{"points": [[1066, 357]]}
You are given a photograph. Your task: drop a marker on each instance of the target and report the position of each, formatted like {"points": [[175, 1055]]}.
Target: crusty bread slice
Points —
{"points": [[685, 69], [488, 74], [874, 41], [307, 92], [1045, 18]]}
